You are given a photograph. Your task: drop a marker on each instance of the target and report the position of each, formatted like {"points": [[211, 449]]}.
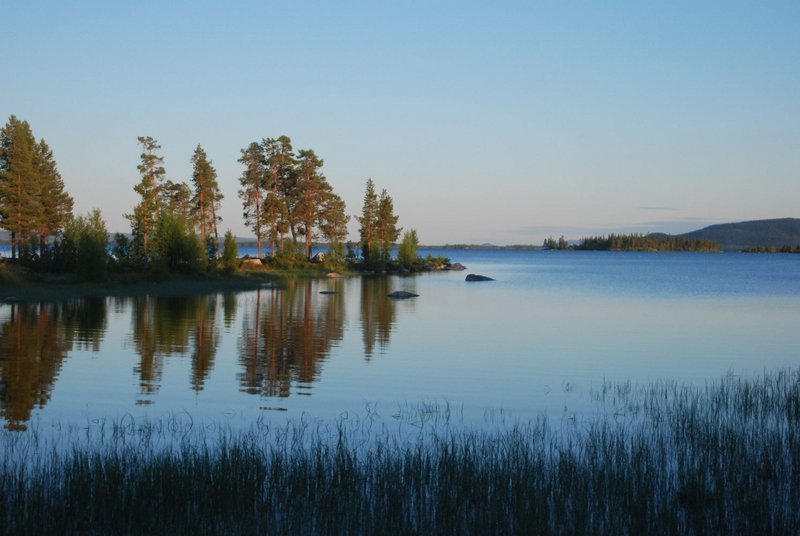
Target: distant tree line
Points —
{"points": [[635, 242], [552, 243], [774, 249]]}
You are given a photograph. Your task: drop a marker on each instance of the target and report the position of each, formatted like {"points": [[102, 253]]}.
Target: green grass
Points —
{"points": [[657, 459]]}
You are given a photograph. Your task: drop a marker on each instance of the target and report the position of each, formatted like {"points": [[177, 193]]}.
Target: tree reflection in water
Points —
{"points": [[286, 335], [34, 340], [166, 326]]}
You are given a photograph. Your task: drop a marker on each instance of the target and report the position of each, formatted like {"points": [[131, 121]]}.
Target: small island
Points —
{"points": [[174, 244]]}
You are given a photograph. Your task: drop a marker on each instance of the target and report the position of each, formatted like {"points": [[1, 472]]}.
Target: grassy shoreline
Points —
{"points": [[19, 286], [662, 459]]}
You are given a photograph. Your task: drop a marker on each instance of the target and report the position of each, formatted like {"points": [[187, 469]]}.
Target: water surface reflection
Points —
{"points": [[35, 339], [286, 335]]}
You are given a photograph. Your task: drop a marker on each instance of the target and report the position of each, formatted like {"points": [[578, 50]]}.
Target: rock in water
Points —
{"points": [[476, 277], [402, 295]]}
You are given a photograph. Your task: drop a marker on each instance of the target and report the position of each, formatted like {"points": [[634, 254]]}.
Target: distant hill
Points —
{"points": [[751, 234]]}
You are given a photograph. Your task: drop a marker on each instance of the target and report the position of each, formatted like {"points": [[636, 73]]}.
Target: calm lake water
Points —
{"points": [[553, 326]]}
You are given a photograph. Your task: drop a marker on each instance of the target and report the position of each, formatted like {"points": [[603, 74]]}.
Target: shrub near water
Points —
{"points": [[660, 459]]}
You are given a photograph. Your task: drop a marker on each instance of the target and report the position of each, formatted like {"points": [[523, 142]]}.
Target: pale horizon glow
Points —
{"points": [[502, 123]]}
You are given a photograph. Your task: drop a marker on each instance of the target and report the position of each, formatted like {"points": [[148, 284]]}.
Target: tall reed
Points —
{"points": [[658, 459]]}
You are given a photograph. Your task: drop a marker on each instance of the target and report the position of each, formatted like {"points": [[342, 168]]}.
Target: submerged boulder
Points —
{"points": [[402, 295], [476, 277]]}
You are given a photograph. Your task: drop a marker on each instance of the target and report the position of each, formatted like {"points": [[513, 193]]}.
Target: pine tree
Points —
{"points": [[176, 197], [279, 172], [311, 191], [207, 196], [230, 253], [56, 204], [20, 204], [146, 212], [333, 224], [407, 253], [368, 219], [251, 194], [387, 231]]}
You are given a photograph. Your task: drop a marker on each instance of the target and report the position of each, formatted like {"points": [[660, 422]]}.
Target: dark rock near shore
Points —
{"points": [[402, 295], [476, 277], [457, 267]]}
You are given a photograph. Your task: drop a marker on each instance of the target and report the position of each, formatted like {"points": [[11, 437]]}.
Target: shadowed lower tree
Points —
{"points": [[407, 254], [333, 225], [177, 198], [230, 253]]}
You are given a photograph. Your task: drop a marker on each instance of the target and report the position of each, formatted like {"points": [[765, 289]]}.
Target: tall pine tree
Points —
{"points": [[280, 178], [207, 196], [369, 214], [252, 194], [32, 197], [151, 168], [56, 207], [386, 227], [311, 191]]}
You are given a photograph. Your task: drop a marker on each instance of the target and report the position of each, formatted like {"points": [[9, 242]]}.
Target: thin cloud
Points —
{"points": [[669, 209]]}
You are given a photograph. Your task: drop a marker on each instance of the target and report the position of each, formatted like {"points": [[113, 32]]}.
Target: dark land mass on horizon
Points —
{"points": [[751, 234]]}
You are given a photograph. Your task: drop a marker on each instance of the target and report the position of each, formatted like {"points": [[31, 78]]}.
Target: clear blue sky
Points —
{"points": [[501, 122]]}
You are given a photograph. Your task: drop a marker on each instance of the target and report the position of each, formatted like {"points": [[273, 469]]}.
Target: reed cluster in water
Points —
{"points": [[657, 459]]}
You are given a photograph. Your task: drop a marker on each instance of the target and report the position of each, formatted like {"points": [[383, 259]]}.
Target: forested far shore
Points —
{"points": [[635, 242]]}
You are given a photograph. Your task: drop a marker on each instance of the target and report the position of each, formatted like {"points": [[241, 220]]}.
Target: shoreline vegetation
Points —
{"points": [[20, 283], [663, 458]]}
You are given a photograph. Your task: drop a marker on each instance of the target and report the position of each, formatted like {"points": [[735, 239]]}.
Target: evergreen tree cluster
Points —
{"points": [[287, 202], [378, 230], [33, 203], [172, 217], [651, 242], [773, 249], [285, 194], [552, 243], [634, 242]]}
